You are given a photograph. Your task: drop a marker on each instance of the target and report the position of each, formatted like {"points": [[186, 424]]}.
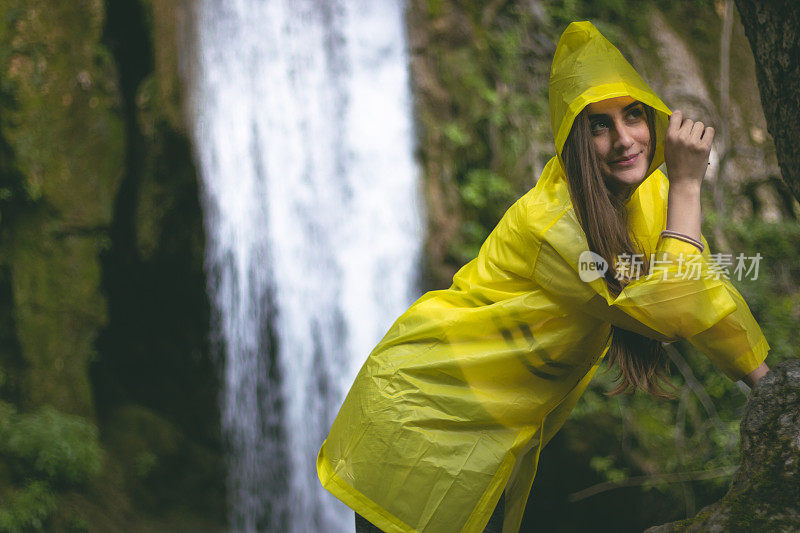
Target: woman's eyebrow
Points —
{"points": [[603, 115]]}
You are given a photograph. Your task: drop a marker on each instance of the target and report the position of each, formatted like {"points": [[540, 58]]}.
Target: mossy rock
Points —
{"points": [[139, 437], [765, 493], [65, 138], [164, 469]]}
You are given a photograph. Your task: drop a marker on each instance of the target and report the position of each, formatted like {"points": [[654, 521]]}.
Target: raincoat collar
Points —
{"points": [[587, 68]]}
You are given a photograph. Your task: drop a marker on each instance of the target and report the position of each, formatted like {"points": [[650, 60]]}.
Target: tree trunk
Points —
{"points": [[773, 29]]}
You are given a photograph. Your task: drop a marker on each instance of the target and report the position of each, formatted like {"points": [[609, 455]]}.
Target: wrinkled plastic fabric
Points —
{"points": [[455, 403]]}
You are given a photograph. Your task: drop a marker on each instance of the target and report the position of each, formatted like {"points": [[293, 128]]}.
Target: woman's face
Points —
{"points": [[621, 140]]}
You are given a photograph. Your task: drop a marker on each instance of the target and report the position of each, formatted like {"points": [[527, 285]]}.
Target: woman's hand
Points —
{"points": [[686, 150], [753, 377]]}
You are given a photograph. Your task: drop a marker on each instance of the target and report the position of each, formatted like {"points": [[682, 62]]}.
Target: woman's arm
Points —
{"points": [[671, 302], [686, 151]]}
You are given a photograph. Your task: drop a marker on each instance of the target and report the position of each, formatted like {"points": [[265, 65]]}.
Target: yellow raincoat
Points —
{"points": [[455, 403]]}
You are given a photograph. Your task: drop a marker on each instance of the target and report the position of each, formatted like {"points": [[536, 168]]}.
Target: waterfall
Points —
{"points": [[303, 135]]}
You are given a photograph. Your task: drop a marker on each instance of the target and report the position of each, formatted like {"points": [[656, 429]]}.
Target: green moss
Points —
{"points": [[58, 447], [769, 491], [75, 120], [66, 142], [141, 436], [166, 95], [162, 467], [58, 308], [28, 509]]}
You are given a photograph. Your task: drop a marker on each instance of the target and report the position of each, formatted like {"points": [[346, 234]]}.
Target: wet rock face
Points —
{"points": [[765, 493]]}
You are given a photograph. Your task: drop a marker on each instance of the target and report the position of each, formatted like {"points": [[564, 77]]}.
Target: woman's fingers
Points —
{"points": [[696, 132], [682, 127], [675, 121], [687, 148], [708, 137], [686, 128], [676, 118]]}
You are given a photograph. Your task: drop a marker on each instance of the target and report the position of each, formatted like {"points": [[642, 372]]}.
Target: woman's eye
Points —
{"points": [[636, 112], [597, 125]]}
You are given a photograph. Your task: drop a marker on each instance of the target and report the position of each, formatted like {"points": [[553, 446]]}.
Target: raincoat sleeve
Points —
{"points": [[684, 295], [735, 344]]}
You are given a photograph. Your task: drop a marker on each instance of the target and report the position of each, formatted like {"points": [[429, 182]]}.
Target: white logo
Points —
{"points": [[591, 266]]}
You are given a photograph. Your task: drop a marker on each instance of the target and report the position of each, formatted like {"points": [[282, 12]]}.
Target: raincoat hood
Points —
{"points": [[587, 68]]}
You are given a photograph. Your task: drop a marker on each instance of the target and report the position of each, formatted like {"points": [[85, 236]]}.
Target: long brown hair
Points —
{"points": [[642, 362]]}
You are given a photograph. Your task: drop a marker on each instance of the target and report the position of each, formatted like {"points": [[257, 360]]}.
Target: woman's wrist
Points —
{"points": [[683, 208], [683, 237], [685, 187], [753, 377]]}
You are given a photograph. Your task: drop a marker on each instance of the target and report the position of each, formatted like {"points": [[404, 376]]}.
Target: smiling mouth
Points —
{"points": [[626, 160]]}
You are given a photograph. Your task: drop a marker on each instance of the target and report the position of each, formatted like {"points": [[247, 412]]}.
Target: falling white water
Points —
{"points": [[302, 130]]}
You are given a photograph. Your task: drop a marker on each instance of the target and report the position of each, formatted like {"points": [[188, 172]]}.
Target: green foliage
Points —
{"points": [[605, 466], [774, 295], [610, 16], [48, 450], [656, 437], [63, 449], [77, 524], [493, 69], [483, 188], [28, 509], [146, 461], [473, 234], [456, 134]]}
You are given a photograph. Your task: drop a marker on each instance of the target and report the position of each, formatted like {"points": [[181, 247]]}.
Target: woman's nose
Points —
{"points": [[624, 137]]}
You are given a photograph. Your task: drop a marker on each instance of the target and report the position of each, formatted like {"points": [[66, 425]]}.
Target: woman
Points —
{"points": [[446, 419]]}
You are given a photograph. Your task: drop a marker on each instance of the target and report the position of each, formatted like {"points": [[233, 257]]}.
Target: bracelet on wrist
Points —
{"points": [[683, 237]]}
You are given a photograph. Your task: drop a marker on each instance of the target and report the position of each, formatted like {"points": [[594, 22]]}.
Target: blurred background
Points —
{"points": [[212, 210]]}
